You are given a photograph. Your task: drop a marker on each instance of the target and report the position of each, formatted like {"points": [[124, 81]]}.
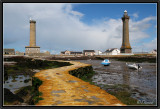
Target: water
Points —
{"points": [[16, 82], [143, 82]]}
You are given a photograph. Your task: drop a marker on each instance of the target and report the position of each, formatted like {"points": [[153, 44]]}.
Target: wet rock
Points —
{"points": [[58, 91], [90, 102], [20, 77], [10, 85], [83, 86], [85, 100], [10, 97], [94, 97], [14, 80], [56, 95], [27, 80], [57, 102], [86, 90]]}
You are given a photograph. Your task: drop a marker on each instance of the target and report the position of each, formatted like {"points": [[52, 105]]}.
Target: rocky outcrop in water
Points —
{"points": [[10, 97]]}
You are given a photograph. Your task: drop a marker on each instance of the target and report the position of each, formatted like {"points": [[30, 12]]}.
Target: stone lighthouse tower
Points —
{"points": [[32, 33], [125, 48], [32, 48]]}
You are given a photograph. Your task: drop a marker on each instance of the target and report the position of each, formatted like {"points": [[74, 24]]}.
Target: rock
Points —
{"points": [[10, 97]]}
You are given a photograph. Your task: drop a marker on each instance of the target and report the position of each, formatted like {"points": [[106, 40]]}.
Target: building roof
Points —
{"points": [[62, 51], [9, 50], [76, 52], [72, 52], [110, 49], [88, 51], [155, 50]]}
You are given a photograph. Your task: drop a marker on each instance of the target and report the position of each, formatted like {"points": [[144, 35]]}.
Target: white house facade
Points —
{"points": [[154, 51], [112, 51]]}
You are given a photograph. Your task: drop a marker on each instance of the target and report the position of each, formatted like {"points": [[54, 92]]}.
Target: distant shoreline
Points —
{"points": [[128, 58]]}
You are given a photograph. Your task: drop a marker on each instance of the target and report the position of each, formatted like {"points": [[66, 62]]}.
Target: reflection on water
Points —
{"points": [[16, 82], [142, 81]]}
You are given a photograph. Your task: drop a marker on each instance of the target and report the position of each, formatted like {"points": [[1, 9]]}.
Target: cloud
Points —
{"points": [[76, 13], [151, 45], [135, 15], [59, 28]]}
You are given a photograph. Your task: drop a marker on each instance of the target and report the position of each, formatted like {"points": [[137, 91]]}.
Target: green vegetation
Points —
{"points": [[84, 73], [88, 77], [36, 82], [28, 91], [123, 93], [137, 59], [124, 97], [25, 66]]}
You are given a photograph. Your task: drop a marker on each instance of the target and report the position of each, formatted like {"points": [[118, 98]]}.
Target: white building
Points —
{"points": [[112, 51], [88, 52], [71, 53], [154, 51], [98, 52]]}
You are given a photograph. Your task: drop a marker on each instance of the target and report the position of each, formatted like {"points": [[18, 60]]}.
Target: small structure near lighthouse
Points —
{"points": [[32, 48], [125, 48]]}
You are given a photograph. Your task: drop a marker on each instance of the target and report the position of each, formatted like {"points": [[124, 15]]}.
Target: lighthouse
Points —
{"points": [[32, 48], [126, 47]]}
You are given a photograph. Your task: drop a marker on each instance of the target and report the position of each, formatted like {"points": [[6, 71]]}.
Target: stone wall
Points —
{"points": [[32, 49], [37, 54]]}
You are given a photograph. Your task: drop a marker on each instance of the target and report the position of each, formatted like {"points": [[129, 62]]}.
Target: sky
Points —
{"points": [[79, 26]]}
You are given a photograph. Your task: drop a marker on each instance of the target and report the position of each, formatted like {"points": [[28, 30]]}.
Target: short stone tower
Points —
{"points": [[32, 48], [125, 48]]}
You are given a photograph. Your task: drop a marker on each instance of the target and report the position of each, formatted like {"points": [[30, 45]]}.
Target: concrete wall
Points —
{"points": [[32, 50]]}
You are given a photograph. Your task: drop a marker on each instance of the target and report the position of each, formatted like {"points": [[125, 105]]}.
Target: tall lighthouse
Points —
{"points": [[32, 48], [126, 47]]}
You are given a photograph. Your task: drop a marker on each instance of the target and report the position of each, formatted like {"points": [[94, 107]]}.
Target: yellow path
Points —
{"points": [[62, 89]]}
